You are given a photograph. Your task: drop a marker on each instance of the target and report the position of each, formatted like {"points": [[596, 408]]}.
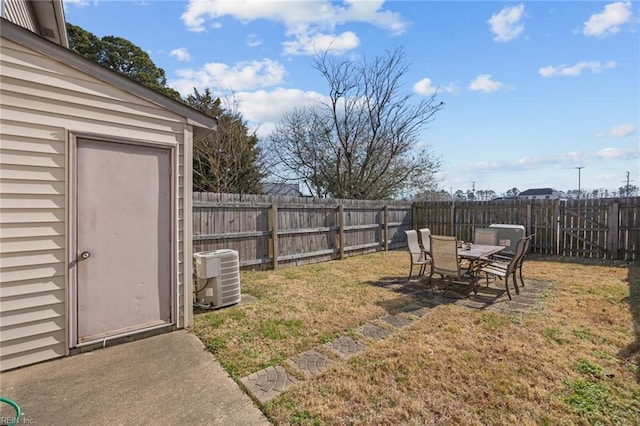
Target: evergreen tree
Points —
{"points": [[122, 56]]}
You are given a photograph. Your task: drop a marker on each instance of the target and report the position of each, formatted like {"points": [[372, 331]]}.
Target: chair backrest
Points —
{"points": [[425, 233], [525, 250], [444, 255], [486, 236], [414, 246], [518, 255]]}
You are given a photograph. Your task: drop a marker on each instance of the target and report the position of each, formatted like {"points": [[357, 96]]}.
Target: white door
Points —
{"points": [[123, 216]]}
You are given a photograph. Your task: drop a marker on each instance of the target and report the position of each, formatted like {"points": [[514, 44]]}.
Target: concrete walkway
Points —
{"points": [[165, 379]]}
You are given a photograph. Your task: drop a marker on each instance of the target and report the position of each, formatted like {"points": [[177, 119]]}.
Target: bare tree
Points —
{"points": [[229, 159], [362, 142]]}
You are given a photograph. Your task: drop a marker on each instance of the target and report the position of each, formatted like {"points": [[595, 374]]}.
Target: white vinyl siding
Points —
{"points": [[18, 12], [41, 100]]}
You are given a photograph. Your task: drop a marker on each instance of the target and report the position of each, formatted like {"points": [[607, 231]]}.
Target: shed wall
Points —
{"points": [[43, 100]]}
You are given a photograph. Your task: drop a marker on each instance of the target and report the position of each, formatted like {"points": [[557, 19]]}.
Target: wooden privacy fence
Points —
{"points": [[274, 231], [607, 228]]}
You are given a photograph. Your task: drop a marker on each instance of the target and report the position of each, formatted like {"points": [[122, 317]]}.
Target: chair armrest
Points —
{"points": [[503, 257]]}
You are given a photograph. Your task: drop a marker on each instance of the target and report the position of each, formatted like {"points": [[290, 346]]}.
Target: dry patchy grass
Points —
{"points": [[571, 360]]}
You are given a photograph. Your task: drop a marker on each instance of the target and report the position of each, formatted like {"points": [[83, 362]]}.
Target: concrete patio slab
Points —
{"points": [[164, 379]]}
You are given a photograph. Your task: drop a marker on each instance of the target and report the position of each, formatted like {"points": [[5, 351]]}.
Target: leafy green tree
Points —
{"points": [[228, 160], [361, 143], [122, 56]]}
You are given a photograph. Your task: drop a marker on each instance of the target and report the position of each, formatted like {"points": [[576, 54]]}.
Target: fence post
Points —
{"points": [[273, 227], [558, 222], [385, 228], [613, 231], [414, 213], [341, 231], [453, 220], [528, 225]]}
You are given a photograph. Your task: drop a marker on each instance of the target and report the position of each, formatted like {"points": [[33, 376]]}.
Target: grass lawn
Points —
{"points": [[572, 358]]}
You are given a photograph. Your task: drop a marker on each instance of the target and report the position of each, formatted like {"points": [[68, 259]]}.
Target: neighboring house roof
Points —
{"points": [[284, 189], [203, 124], [538, 191]]}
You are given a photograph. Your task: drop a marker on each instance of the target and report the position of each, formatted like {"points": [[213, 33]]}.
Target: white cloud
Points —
{"points": [[506, 25], [424, 87], [623, 130], [263, 109], [241, 76], [452, 88], [253, 40], [181, 54], [616, 154], [77, 3], [575, 70], [310, 45], [484, 83], [608, 21], [566, 160], [305, 22]]}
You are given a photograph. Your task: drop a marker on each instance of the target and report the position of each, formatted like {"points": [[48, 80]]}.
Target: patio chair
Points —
{"points": [[444, 260], [504, 270], [425, 240], [503, 260], [417, 255], [486, 236]]}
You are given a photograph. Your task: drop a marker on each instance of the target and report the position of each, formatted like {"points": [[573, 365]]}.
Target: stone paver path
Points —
{"points": [[310, 362], [266, 384], [373, 332], [396, 321], [345, 346]]}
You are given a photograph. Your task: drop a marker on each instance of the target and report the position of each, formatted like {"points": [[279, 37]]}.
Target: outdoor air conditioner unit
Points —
{"points": [[508, 235], [217, 278]]}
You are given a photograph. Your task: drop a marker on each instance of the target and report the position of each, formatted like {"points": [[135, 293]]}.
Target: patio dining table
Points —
{"points": [[479, 251], [475, 254]]}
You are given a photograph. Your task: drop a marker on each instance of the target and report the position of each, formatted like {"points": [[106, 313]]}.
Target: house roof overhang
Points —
{"points": [[202, 123], [51, 22]]}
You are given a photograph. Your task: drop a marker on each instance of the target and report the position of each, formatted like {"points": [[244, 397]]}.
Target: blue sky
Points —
{"points": [[532, 90]]}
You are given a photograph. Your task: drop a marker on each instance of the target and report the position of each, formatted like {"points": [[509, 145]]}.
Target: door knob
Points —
{"points": [[85, 255]]}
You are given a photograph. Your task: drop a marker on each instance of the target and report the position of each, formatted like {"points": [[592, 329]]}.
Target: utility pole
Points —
{"points": [[628, 187], [579, 168]]}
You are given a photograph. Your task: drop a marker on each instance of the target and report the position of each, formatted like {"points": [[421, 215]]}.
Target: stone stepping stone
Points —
{"points": [[420, 312], [396, 320], [474, 304], [345, 346], [266, 384], [373, 332], [310, 362]]}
